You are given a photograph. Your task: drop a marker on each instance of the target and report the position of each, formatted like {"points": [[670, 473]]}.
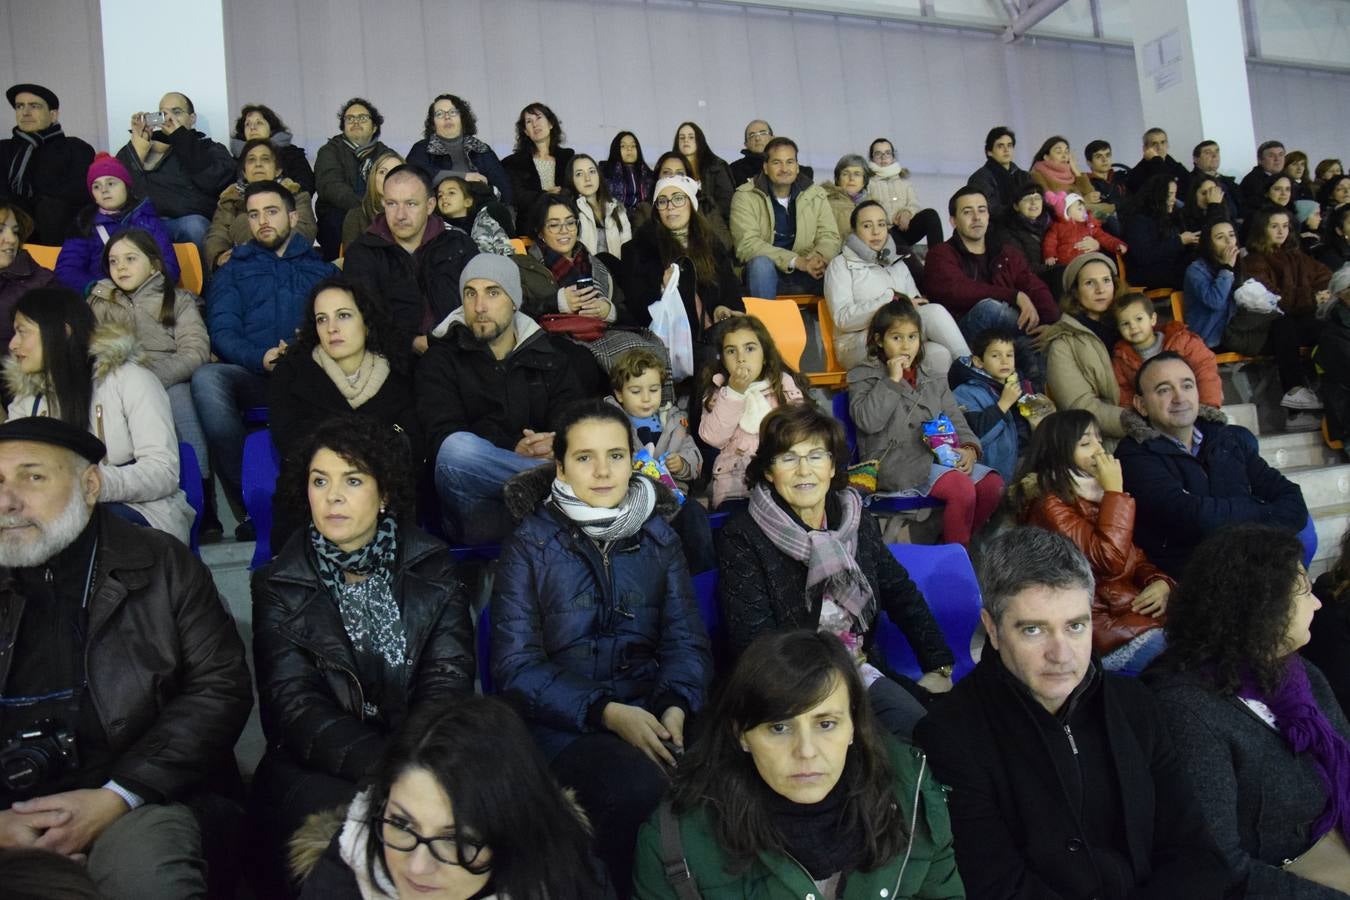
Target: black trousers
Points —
{"points": [[925, 226], [1287, 334]]}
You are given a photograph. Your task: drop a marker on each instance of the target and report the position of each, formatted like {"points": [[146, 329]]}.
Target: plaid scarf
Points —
{"points": [[567, 269], [18, 167], [830, 556], [605, 525]]}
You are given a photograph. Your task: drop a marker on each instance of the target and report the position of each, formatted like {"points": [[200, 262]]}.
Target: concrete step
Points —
{"points": [[1323, 486], [1243, 414], [1330, 522], [1292, 451]]}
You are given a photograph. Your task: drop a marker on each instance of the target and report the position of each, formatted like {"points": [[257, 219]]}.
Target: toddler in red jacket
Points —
{"points": [[1074, 231], [1141, 339]]}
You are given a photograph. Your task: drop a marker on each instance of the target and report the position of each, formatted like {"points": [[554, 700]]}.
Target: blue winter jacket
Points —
{"points": [[1209, 304], [576, 626], [80, 263], [1181, 499], [1000, 433], [256, 299]]}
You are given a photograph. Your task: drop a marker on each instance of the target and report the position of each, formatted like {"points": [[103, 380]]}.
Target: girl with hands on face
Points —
{"points": [[891, 395], [1071, 485]]}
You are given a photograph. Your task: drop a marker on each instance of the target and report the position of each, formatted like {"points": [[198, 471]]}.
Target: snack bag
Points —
{"points": [[648, 465], [940, 435]]}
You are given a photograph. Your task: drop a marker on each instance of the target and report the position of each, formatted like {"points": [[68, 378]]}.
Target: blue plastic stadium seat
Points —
{"points": [[190, 480], [946, 578], [882, 504], [261, 467]]}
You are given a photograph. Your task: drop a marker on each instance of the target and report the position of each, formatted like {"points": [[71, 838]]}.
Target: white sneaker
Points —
{"points": [[1300, 398], [1303, 421]]}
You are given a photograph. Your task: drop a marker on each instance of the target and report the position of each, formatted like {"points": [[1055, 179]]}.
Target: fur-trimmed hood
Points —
{"points": [[524, 492], [1137, 427], [110, 347]]}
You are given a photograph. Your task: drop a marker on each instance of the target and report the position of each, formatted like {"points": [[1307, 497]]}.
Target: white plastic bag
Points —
{"points": [[1255, 297], [670, 323]]}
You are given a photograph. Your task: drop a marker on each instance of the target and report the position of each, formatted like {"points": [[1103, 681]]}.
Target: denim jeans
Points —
{"points": [[990, 313], [470, 473], [222, 392], [763, 280], [187, 425]]}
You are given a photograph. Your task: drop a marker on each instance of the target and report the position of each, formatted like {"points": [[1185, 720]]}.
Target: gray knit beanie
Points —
{"points": [[494, 267]]}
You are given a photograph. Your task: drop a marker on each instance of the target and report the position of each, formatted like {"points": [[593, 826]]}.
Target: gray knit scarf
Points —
{"points": [[830, 556], [607, 525], [883, 257], [18, 167]]}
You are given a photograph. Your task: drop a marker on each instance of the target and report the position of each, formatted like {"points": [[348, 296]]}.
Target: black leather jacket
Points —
{"points": [[311, 699], [164, 662]]}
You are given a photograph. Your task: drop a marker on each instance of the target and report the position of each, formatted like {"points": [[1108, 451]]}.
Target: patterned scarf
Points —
{"points": [[18, 167], [455, 148], [365, 158], [607, 525], [369, 611], [830, 556], [883, 257], [1305, 728], [567, 269]]}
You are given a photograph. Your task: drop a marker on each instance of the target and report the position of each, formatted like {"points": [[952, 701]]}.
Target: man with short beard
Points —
{"points": [[487, 391], [122, 676], [253, 306]]}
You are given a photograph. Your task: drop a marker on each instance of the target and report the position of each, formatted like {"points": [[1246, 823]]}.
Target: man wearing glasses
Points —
{"points": [[757, 134], [342, 166], [41, 167], [180, 169]]}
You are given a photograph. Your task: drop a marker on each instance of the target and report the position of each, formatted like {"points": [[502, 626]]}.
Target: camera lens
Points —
{"points": [[23, 768]]}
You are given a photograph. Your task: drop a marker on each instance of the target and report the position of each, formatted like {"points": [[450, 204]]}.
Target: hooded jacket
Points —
{"points": [[1209, 303], [337, 175], [17, 279], [1104, 531], [752, 222], [419, 288], [256, 299], [165, 666], [172, 352], [1063, 234], [1176, 337], [461, 386], [186, 180], [890, 186], [1001, 434], [855, 288], [229, 226], [80, 262], [577, 624], [1019, 780], [955, 277], [1183, 498], [313, 705], [129, 412], [890, 416], [1078, 374]]}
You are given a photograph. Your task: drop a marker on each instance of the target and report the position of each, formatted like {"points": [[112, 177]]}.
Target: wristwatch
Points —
{"points": [[944, 671]]}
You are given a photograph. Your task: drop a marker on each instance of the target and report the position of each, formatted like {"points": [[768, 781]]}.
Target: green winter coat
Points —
{"points": [[929, 872]]}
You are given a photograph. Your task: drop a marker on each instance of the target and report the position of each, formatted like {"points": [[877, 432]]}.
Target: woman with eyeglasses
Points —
{"points": [[540, 162], [1266, 745], [462, 807], [890, 186], [342, 166], [805, 554], [450, 146]]}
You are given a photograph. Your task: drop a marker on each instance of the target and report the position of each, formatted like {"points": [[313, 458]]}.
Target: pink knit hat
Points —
{"points": [[106, 164], [1060, 202]]}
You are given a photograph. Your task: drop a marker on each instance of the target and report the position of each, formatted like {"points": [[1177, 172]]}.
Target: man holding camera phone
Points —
{"points": [[123, 685], [180, 169]]}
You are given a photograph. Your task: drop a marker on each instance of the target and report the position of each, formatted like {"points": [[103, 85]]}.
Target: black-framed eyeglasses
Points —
{"points": [[451, 850], [673, 201], [359, 119]]}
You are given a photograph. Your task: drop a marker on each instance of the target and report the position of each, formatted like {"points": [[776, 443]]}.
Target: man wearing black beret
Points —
{"points": [[42, 168], [123, 686]]}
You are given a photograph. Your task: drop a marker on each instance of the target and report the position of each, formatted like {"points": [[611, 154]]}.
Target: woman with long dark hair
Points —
{"points": [[705, 167], [629, 177], [539, 162], [602, 220], [462, 806], [1152, 228], [1210, 282], [450, 145], [360, 618], [866, 819], [61, 365], [1266, 745]]}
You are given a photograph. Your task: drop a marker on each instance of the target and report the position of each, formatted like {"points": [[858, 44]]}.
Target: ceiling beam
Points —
{"points": [[1030, 16]]}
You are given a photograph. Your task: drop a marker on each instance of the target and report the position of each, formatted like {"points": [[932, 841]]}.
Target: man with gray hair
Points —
{"points": [[123, 685], [1063, 780]]}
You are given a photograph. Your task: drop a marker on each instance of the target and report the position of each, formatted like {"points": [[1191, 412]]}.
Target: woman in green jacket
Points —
{"points": [[793, 791]]}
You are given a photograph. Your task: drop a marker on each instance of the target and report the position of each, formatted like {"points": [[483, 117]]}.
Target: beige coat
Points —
{"points": [[842, 205], [752, 224], [895, 193], [1079, 374], [172, 353], [130, 413], [229, 225]]}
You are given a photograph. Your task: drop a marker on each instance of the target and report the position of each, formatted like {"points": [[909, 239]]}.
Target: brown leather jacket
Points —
{"points": [[1105, 534], [164, 660]]}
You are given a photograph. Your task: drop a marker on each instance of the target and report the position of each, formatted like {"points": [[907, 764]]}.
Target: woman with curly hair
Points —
{"points": [[868, 821], [450, 145], [1329, 648], [359, 619], [257, 122], [540, 162], [1266, 745]]}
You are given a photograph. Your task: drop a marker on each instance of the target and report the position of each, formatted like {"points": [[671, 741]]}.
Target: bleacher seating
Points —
{"points": [[190, 274], [946, 578], [262, 464], [43, 255], [881, 504], [784, 321], [190, 480]]}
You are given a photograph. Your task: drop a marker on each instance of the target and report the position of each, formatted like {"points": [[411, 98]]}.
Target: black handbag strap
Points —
{"points": [[676, 867]]}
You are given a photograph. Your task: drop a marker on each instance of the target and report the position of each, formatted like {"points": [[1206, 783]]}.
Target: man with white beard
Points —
{"points": [[123, 685]]}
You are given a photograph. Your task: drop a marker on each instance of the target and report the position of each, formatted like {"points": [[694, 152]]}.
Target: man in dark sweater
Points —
{"points": [[757, 134], [1000, 178], [1156, 161], [180, 169], [41, 167], [1206, 160], [1064, 781], [1269, 165]]}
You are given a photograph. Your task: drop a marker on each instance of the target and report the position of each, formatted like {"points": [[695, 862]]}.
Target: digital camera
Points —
{"points": [[37, 755]]}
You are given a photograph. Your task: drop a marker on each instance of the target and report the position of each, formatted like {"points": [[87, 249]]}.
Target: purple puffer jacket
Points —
{"points": [[80, 264]]}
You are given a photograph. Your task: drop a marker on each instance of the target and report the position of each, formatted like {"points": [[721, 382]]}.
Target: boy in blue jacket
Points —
{"points": [[987, 387]]}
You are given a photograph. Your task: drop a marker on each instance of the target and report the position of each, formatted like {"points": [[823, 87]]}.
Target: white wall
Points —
{"points": [[55, 43]]}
